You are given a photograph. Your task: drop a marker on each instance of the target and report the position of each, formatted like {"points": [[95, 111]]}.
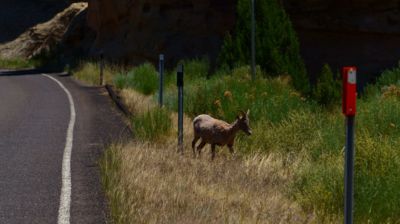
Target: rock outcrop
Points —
{"points": [[137, 31], [42, 37], [343, 15], [16, 16], [365, 33]]}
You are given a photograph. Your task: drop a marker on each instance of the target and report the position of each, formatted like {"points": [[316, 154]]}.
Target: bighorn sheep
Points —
{"points": [[217, 132]]}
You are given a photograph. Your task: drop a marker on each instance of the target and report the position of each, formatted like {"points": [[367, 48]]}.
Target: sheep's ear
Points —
{"points": [[248, 112]]}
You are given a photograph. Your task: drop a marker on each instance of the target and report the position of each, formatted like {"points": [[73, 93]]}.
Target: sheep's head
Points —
{"points": [[244, 122]]}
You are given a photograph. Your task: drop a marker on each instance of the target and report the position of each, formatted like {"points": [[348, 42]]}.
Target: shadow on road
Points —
{"points": [[35, 71]]}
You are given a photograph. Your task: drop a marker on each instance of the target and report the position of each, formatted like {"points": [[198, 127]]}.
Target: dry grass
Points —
{"points": [[136, 102], [89, 73], [151, 183], [156, 185]]}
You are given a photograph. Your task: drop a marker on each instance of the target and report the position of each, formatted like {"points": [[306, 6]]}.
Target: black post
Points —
{"points": [[161, 73], [253, 40], [180, 108], [349, 170], [101, 68]]}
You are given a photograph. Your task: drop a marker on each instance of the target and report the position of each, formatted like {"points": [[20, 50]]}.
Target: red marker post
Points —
{"points": [[349, 110]]}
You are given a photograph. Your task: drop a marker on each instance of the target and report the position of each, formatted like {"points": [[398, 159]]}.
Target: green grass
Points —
{"points": [[295, 127], [143, 78], [16, 63], [285, 122], [153, 124]]}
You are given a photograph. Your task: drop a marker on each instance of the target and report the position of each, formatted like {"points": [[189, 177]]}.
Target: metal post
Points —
{"points": [[253, 40], [161, 73], [101, 68], [349, 170], [180, 108]]}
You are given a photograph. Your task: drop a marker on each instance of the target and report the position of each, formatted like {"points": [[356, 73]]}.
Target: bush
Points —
{"points": [[152, 125], [15, 63], [224, 95], [143, 78], [276, 41], [196, 68], [328, 88]]}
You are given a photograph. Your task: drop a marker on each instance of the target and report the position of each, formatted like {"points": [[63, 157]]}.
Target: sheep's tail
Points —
{"points": [[196, 120]]}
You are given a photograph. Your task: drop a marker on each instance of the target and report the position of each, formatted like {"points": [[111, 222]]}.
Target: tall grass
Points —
{"points": [[152, 125], [89, 73], [16, 63], [286, 123], [143, 78], [305, 139]]}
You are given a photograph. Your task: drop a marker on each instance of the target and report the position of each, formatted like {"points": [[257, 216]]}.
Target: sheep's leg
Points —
{"points": [[231, 148], [201, 146], [194, 145], [212, 151]]}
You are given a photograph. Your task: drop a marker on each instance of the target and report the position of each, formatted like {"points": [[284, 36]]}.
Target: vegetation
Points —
{"points": [[291, 168], [16, 63], [89, 73], [276, 41], [328, 90], [152, 124], [299, 142], [143, 78]]}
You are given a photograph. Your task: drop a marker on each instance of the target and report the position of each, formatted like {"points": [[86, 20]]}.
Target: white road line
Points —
{"points": [[65, 197]]}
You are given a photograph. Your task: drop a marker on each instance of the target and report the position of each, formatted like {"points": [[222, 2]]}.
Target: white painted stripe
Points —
{"points": [[66, 187]]}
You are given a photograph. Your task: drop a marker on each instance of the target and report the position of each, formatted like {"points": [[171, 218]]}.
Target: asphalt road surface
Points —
{"points": [[39, 124]]}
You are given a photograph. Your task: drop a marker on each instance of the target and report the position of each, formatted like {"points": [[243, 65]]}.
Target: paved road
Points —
{"points": [[35, 114]]}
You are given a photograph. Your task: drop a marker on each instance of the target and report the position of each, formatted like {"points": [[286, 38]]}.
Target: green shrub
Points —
{"points": [[276, 41], [388, 77], [120, 81], [152, 125], [143, 78], [16, 63], [328, 88], [196, 68], [224, 95]]}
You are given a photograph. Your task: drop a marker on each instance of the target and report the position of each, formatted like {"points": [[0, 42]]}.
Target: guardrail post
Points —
{"points": [[180, 108], [161, 73], [253, 40], [349, 110]]}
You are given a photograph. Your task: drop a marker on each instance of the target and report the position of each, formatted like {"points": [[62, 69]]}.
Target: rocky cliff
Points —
{"points": [[344, 15], [16, 16], [42, 37], [365, 33], [136, 31]]}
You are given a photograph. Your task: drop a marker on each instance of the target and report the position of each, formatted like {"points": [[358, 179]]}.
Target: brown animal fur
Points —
{"points": [[217, 132]]}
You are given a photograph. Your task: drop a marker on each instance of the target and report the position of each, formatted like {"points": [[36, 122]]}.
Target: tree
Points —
{"points": [[276, 42]]}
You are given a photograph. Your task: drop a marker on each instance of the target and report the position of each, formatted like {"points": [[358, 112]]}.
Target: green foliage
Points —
{"points": [[308, 136], [328, 88], [196, 68], [276, 41], [389, 78], [224, 95], [320, 181], [143, 78], [15, 63], [153, 124]]}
